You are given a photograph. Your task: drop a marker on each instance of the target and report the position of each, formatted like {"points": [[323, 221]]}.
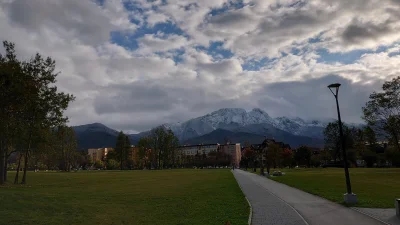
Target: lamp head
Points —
{"points": [[336, 87]]}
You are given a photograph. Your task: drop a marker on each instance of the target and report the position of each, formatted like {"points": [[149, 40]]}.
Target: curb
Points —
{"points": [[251, 209], [248, 202], [369, 215]]}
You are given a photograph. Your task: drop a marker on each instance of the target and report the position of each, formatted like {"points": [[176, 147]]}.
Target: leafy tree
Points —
{"points": [[274, 155], [315, 161], [382, 110], [332, 139], [30, 104], [122, 149], [84, 161], [67, 147], [163, 144], [144, 146], [392, 156], [127, 154], [248, 156], [287, 157], [370, 135], [303, 155], [325, 156]]}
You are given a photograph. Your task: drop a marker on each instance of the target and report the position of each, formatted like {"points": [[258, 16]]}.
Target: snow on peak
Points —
{"points": [[235, 118], [225, 118], [257, 116]]}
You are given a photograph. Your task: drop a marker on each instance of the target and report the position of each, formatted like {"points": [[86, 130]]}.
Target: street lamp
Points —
{"points": [[349, 197]]}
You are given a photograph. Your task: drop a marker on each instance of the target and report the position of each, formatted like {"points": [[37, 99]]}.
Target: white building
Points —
{"points": [[192, 150], [231, 149]]}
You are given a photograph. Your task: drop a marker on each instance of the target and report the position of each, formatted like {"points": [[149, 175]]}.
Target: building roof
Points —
{"points": [[199, 145]]}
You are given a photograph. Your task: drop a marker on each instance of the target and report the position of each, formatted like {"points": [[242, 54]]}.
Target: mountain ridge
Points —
{"points": [[235, 120]]}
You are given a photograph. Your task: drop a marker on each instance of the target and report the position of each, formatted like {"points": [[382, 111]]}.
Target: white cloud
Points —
{"points": [[151, 43], [138, 89], [154, 17]]}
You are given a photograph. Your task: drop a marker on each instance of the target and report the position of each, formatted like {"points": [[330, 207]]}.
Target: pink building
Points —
{"points": [[234, 150]]}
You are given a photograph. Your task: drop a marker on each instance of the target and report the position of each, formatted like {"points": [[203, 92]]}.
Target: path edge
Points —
{"points": [[369, 215], [304, 220], [248, 202]]}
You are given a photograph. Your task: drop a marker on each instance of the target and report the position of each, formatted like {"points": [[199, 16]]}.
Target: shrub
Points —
{"points": [[99, 164], [370, 158], [112, 164]]}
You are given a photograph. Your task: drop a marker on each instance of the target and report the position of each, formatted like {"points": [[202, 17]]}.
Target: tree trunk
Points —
{"points": [[121, 157], [25, 167], [18, 168], [5, 169], [262, 166], [2, 163], [159, 160]]}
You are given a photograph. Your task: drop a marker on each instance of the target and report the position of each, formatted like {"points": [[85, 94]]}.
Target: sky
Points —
{"points": [[136, 64]]}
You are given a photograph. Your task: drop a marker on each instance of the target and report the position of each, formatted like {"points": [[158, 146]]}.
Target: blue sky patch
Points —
{"points": [[129, 40], [216, 50], [256, 65], [344, 58], [238, 4], [99, 2], [126, 40]]}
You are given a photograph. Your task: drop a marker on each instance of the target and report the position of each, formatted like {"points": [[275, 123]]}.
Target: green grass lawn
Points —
{"points": [[375, 188], [129, 197]]}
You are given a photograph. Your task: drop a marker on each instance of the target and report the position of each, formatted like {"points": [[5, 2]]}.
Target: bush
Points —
{"points": [[99, 164], [393, 156], [112, 164], [315, 161], [370, 158]]}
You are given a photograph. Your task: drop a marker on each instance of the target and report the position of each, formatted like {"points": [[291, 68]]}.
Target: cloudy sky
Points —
{"points": [[136, 64]]}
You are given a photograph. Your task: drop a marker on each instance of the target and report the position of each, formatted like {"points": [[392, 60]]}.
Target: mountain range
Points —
{"points": [[235, 124]]}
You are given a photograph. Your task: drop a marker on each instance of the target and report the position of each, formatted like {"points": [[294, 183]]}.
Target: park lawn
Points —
{"points": [[375, 187], [173, 197]]}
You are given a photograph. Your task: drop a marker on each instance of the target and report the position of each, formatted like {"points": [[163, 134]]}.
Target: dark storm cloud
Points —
{"points": [[312, 99], [358, 31], [136, 97]]}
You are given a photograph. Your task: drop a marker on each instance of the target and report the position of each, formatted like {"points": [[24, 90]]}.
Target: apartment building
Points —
{"points": [[99, 153], [193, 150], [230, 149], [234, 150]]}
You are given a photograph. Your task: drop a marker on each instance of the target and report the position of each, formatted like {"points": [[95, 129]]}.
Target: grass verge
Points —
{"points": [[375, 188]]}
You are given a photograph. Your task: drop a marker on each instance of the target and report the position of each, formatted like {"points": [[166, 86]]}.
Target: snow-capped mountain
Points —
{"points": [[234, 123], [234, 119], [227, 118], [298, 126]]}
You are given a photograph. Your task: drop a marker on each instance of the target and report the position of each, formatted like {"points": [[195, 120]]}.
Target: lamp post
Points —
{"points": [[349, 197]]}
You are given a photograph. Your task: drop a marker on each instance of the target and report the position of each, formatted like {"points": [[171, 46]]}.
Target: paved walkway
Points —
{"points": [[276, 203], [386, 215]]}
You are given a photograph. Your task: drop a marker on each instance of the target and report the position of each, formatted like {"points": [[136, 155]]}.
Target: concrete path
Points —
{"points": [[276, 203], [386, 215]]}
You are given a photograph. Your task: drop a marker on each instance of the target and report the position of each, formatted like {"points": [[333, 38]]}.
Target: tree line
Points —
{"points": [[158, 150], [31, 108]]}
